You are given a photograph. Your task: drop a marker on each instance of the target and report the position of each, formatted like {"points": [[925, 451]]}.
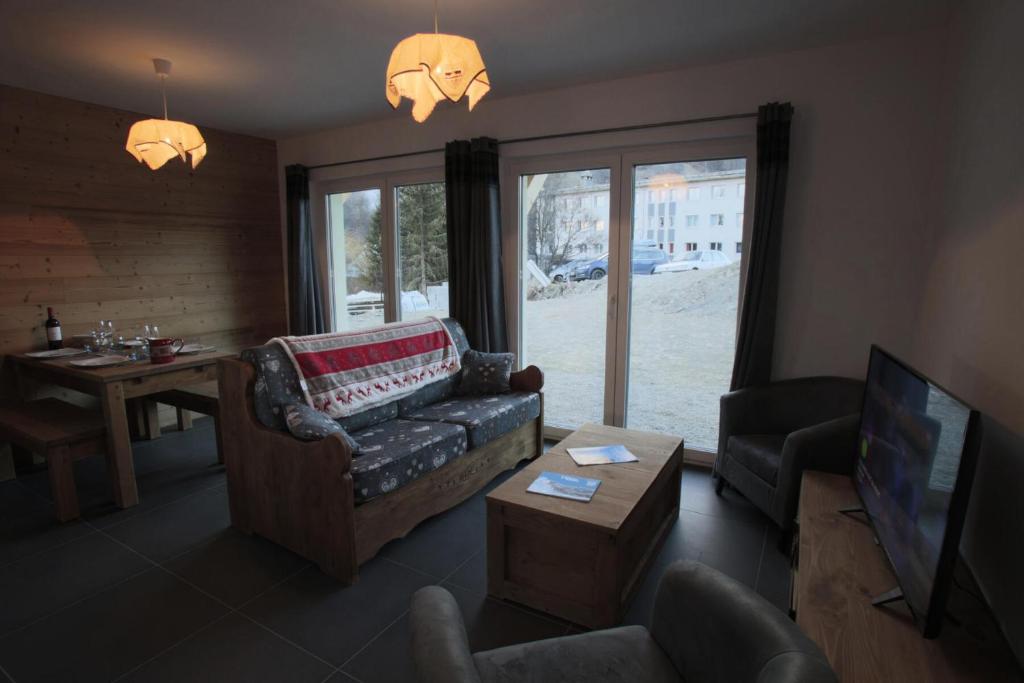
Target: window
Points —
{"points": [[356, 259], [650, 210], [691, 246], [718, 191], [661, 209], [691, 220], [715, 246], [672, 197], [422, 250], [693, 193], [717, 220], [739, 247], [671, 235], [672, 208], [650, 234], [741, 190], [739, 221], [661, 235]]}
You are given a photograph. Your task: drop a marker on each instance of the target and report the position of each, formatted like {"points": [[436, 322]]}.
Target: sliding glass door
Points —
{"points": [[630, 307], [422, 250], [683, 310], [565, 219]]}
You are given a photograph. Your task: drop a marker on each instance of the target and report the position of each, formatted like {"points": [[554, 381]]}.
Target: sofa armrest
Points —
{"points": [[530, 378], [440, 647], [714, 628], [829, 447]]}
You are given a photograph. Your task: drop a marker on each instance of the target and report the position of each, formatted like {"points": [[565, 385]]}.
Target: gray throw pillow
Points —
{"points": [[485, 373], [311, 425]]}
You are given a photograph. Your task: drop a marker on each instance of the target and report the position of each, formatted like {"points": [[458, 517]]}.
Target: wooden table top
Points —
{"points": [[117, 373], [841, 569], [622, 485]]}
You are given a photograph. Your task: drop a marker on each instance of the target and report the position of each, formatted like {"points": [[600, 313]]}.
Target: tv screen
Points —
{"points": [[915, 463]]}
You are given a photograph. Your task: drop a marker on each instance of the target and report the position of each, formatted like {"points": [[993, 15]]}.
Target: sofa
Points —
{"points": [[769, 434], [706, 627], [337, 501]]}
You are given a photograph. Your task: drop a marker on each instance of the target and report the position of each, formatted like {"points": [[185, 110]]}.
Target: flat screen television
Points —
{"points": [[916, 455]]}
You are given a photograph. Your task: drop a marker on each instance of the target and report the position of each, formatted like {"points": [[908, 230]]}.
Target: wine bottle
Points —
{"points": [[53, 335]]}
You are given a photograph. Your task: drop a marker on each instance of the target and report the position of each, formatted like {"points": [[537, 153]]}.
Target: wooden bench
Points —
{"points": [[201, 398], [61, 433]]}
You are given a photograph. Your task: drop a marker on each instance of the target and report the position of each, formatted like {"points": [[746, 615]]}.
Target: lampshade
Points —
{"points": [[155, 141], [430, 67]]}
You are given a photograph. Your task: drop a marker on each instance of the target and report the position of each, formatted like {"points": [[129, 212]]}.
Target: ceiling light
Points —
{"points": [[430, 67], [156, 141]]}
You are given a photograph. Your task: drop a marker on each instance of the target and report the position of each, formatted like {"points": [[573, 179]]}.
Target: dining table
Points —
{"points": [[115, 386]]}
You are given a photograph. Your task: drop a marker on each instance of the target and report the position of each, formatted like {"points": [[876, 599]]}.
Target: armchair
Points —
{"points": [[770, 434], [706, 627]]}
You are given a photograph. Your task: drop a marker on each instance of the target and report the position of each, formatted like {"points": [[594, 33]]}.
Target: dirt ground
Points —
{"points": [[682, 342]]}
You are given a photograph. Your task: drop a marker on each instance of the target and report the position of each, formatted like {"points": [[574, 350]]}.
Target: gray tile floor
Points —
{"points": [[167, 591]]}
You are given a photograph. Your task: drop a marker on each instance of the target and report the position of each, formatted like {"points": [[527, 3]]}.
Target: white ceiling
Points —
{"points": [[282, 67]]}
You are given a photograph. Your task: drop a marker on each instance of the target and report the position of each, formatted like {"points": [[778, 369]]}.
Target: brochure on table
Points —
{"points": [[601, 455], [564, 486]]}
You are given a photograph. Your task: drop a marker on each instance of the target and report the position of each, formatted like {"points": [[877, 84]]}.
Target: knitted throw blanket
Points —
{"points": [[344, 373]]}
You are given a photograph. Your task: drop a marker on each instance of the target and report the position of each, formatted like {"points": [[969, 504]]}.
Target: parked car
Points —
{"points": [[645, 260], [696, 260], [562, 272]]}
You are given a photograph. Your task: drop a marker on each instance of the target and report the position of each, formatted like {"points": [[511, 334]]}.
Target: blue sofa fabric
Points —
{"points": [[484, 417], [396, 452]]}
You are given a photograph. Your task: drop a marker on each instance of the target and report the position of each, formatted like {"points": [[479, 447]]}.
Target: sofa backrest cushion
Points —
{"points": [[277, 385]]}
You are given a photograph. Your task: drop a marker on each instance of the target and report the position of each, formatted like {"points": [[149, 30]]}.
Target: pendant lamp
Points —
{"points": [[430, 67], [156, 141]]}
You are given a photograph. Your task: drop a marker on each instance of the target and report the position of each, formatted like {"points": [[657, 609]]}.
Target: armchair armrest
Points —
{"points": [[530, 378], [829, 447], [440, 647], [714, 628]]}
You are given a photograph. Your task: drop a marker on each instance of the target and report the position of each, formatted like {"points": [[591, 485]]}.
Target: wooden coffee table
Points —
{"points": [[584, 561]]}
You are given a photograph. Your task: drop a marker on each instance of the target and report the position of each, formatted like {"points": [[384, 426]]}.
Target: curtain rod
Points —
{"points": [[536, 138]]}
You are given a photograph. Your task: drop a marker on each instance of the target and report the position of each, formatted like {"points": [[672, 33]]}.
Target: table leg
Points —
{"points": [[151, 415], [119, 446]]}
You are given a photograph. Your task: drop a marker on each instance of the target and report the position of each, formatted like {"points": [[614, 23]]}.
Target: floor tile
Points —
{"points": [[233, 649], [698, 495], [489, 624], [774, 575], [170, 530], [110, 633], [440, 544], [44, 582], [472, 575], [234, 567], [28, 524], [333, 620]]}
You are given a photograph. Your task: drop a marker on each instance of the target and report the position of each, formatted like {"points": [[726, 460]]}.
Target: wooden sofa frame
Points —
{"points": [[299, 493]]}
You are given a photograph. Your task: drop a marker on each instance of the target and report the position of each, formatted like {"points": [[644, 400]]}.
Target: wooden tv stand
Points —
{"points": [[838, 569]]}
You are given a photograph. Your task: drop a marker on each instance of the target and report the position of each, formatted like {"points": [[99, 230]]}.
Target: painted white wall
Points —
{"points": [[862, 153], [971, 331]]}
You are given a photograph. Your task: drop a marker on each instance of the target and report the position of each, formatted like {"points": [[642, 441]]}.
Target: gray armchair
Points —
{"points": [[706, 627], [770, 434]]}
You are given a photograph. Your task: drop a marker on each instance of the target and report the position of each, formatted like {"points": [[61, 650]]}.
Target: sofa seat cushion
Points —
{"points": [[625, 654], [396, 452], [484, 417], [759, 453]]}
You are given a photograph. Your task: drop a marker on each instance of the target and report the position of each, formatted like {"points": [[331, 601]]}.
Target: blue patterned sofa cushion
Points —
{"points": [[310, 424], [396, 452], [484, 417], [277, 384], [369, 417]]}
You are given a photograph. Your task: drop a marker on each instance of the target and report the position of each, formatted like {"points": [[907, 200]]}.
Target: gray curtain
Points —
{"points": [[756, 339], [306, 310], [476, 294]]}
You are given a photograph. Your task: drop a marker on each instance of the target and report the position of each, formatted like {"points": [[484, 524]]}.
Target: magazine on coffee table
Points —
{"points": [[564, 486], [601, 455]]}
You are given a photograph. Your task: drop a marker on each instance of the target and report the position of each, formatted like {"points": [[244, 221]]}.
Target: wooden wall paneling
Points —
{"points": [[88, 230]]}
